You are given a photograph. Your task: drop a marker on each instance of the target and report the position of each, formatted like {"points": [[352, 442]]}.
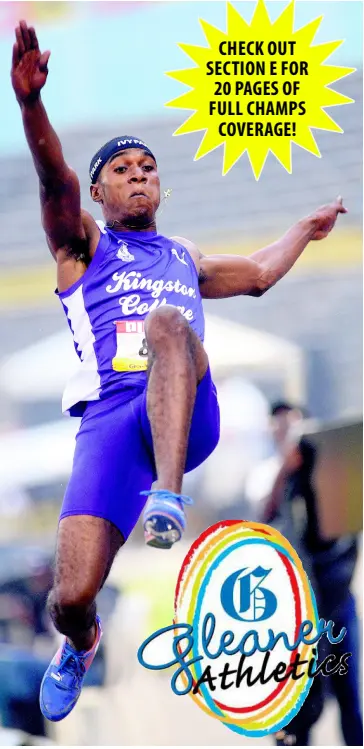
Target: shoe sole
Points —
{"points": [[154, 539]]}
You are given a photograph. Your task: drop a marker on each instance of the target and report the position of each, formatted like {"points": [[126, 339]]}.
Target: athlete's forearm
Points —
{"points": [[43, 142], [278, 258]]}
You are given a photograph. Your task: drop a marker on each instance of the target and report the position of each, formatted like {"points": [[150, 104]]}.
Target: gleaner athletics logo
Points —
{"points": [[244, 640]]}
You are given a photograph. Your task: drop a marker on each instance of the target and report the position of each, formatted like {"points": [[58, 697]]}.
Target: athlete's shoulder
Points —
{"points": [[191, 248], [187, 244]]}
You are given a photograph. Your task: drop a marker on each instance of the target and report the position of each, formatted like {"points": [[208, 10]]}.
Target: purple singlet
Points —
{"points": [[130, 275]]}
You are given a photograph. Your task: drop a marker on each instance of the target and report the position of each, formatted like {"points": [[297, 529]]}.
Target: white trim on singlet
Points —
{"points": [[85, 384], [101, 226]]}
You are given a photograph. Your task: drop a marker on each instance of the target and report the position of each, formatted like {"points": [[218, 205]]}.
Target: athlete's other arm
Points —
{"points": [[64, 223], [231, 275]]}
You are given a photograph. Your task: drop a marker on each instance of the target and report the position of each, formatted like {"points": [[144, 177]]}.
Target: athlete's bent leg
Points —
{"points": [[86, 547], [177, 363]]}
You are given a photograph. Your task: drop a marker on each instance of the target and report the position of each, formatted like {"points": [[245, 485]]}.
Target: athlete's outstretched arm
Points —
{"points": [[59, 185], [231, 275]]}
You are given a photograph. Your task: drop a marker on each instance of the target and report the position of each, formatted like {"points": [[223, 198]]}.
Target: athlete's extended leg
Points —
{"points": [[177, 362], [86, 547]]}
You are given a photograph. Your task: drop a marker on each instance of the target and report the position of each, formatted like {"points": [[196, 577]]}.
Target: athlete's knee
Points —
{"points": [[70, 595], [166, 324], [72, 608], [165, 321]]}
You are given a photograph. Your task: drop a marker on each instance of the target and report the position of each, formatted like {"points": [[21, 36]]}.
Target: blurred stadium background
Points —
{"points": [[303, 340]]}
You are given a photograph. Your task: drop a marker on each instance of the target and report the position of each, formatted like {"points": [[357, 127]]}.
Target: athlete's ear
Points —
{"points": [[95, 193]]}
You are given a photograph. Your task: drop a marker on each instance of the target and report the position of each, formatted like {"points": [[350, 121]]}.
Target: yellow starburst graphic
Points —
{"points": [[259, 87]]}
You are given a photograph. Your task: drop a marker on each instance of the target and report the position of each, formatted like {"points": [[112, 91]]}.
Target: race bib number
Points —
{"points": [[131, 347]]}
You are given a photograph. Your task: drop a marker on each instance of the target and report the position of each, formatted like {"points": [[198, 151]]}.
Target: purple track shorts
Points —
{"points": [[114, 461]]}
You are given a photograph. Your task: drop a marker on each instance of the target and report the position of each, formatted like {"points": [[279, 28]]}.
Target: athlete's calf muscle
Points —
{"points": [[86, 547]]}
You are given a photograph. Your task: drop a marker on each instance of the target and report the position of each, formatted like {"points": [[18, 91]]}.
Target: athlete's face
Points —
{"points": [[128, 188]]}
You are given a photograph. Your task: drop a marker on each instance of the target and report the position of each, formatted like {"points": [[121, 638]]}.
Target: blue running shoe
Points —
{"points": [[62, 681], [164, 518]]}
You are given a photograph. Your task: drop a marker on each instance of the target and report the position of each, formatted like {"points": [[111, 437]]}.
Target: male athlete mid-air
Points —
{"points": [[149, 409]]}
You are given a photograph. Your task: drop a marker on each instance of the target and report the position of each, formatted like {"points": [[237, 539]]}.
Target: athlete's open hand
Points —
{"points": [[325, 217], [29, 67]]}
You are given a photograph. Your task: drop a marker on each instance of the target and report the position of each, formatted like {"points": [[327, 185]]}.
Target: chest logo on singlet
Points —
{"points": [[123, 252], [181, 259]]}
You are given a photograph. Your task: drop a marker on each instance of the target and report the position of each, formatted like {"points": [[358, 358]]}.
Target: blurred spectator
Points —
{"points": [[291, 506]]}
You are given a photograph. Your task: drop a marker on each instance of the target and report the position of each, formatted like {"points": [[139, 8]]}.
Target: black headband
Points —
{"points": [[112, 147]]}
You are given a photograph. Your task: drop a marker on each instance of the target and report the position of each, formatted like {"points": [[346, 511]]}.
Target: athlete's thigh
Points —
{"points": [[199, 355], [112, 465], [205, 424]]}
